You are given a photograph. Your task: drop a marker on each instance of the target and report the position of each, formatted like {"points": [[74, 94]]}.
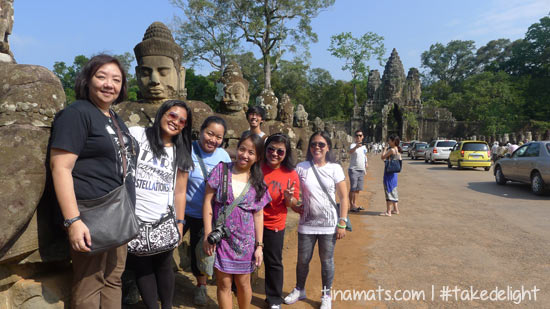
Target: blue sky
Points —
{"points": [[49, 31]]}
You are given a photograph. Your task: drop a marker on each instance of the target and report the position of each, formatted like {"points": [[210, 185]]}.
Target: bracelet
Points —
{"points": [[343, 219], [178, 221], [341, 226], [259, 244]]}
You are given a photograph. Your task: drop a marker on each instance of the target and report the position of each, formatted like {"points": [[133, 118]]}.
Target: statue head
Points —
{"points": [[159, 72], [232, 89], [6, 26], [300, 117]]}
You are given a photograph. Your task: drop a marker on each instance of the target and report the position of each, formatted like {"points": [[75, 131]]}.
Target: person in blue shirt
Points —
{"points": [[207, 149]]}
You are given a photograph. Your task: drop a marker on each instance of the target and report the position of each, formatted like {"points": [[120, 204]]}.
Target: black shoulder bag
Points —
{"points": [[111, 219], [337, 206]]}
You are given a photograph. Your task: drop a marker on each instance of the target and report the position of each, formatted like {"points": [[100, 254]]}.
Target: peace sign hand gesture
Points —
{"points": [[289, 191]]}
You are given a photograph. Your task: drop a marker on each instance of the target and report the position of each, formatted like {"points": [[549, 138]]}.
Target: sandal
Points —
{"points": [[395, 212], [385, 214]]}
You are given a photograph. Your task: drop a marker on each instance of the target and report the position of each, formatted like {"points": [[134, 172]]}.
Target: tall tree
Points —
{"points": [[451, 63], [208, 32], [356, 52], [276, 25], [492, 55]]}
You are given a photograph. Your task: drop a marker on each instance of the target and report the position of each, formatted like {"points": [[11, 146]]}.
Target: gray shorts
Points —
{"points": [[356, 179]]}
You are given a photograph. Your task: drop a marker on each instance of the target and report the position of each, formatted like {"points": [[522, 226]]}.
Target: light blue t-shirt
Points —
{"points": [[196, 184]]}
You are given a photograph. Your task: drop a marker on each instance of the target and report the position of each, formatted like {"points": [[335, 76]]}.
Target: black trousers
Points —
{"points": [[194, 225], [155, 278], [273, 259]]}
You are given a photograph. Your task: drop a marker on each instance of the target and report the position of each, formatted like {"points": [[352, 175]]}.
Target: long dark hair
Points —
{"points": [[395, 139], [288, 161], [256, 174], [81, 86], [326, 136], [182, 141]]}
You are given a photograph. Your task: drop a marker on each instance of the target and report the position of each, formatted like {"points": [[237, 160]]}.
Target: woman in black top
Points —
{"points": [[86, 163]]}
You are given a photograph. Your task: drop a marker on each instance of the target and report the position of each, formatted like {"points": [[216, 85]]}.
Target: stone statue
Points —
{"points": [[286, 110], [373, 84], [269, 102], [6, 25], [160, 77], [300, 117], [318, 125], [232, 90]]}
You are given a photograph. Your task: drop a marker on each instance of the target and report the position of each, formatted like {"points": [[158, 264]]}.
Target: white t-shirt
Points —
{"points": [[358, 158], [154, 179], [320, 216]]}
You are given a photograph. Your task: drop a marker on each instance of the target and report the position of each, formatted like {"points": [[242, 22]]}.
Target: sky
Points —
{"points": [[48, 31]]}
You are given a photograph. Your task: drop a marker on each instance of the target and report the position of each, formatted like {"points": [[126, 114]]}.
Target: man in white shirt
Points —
{"points": [[357, 169]]}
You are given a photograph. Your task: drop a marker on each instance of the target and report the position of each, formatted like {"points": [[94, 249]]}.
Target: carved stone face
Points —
{"points": [[235, 97], [157, 78]]}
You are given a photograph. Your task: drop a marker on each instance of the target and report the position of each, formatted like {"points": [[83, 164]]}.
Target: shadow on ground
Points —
{"points": [[512, 190]]}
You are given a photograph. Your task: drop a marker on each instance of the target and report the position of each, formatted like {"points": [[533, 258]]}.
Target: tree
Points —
{"points": [[208, 34], [452, 63], [491, 56], [538, 50], [356, 52], [269, 24]]}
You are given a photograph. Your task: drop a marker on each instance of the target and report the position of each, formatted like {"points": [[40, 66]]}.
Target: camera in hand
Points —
{"points": [[219, 233]]}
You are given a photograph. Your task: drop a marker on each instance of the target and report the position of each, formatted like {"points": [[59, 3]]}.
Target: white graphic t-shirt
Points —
{"points": [[154, 179], [320, 216]]}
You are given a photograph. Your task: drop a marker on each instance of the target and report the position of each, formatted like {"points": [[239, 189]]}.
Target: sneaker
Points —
{"points": [[295, 296], [326, 302], [200, 295], [275, 307]]}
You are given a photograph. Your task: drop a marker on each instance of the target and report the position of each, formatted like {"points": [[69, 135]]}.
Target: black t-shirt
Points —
{"points": [[81, 128]]}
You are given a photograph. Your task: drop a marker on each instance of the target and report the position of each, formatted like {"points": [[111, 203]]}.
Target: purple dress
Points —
{"points": [[235, 254]]}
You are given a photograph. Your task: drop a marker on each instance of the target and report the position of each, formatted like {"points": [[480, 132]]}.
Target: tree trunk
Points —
{"points": [[222, 64], [267, 72], [354, 94]]}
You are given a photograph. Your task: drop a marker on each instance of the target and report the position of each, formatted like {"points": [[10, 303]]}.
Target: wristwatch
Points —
{"points": [[178, 221], [68, 222], [343, 219], [259, 244]]}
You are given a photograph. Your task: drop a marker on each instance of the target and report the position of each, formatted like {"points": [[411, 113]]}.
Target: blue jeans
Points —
{"points": [[306, 244]]}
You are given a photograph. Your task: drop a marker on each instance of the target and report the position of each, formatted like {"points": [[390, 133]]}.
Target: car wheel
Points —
{"points": [[425, 160], [487, 168], [432, 160], [499, 176], [458, 165], [537, 183], [449, 165]]}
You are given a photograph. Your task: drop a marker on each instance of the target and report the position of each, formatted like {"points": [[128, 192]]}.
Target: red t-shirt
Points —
{"points": [[277, 182]]}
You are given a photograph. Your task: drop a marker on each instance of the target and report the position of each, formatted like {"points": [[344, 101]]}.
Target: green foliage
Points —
{"points": [[207, 32], [202, 88], [356, 52], [451, 63], [276, 26]]}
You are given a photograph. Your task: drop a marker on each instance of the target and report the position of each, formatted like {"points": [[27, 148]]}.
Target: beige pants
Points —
{"points": [[97, 279]]}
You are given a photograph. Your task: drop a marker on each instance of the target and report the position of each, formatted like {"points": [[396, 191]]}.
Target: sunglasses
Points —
{"points": [[317, 144], [280, 152], [173, 116], [358, 135]]}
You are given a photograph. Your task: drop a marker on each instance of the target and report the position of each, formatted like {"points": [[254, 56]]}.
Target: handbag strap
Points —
{"points": [[120, 144], [323, 186], [201, 162], [229, 209]]}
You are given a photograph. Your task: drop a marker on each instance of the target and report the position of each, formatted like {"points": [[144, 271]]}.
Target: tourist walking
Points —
{"points": [[92, 154], [283, 186], [162, 172], [320, 179], [236, 193], [357, 170], [206, 155], [390, 178]]}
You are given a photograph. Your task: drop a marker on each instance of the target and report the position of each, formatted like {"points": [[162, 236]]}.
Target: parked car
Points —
{"points": [[418, 150], [530, 164], [405, 146], [411, 146], [470, 154], [438, 150]]}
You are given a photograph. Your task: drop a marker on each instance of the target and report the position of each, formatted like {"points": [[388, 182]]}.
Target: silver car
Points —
{"points": [[530, 164], [418, 150], [438, 150]]}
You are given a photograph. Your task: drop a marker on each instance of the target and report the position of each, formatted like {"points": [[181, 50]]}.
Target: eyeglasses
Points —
{"points": [[173, 116], [317, 144], [280, 152], [359, 135]]}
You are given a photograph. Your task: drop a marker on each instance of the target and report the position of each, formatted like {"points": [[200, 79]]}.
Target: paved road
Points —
{"points": [[458, 228]]}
